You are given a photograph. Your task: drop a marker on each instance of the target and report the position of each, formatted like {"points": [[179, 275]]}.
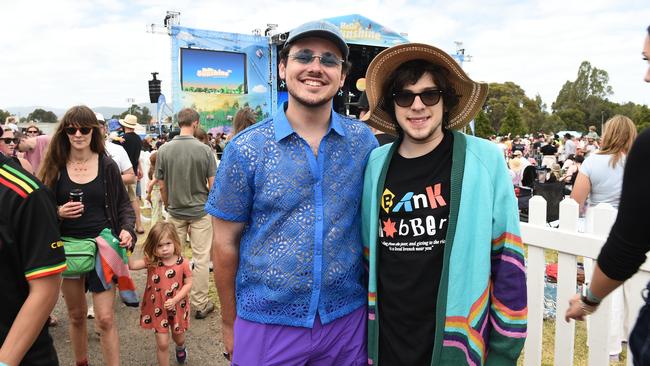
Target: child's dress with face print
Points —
{"points": [[163, 282]]}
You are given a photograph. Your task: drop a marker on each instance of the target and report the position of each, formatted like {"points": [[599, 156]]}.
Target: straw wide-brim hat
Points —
{"points": [[471, 94], [129, 121]]}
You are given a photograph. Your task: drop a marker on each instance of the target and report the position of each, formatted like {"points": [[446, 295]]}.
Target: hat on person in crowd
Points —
{"points": [[514, 165], [113, 124], [10, 122], [362, 103], [100, 118], [471, 94], [129, 121], [320, 29]]}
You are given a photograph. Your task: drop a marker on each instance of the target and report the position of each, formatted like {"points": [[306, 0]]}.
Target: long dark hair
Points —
{"points": [[409, 73], [58, 151]]}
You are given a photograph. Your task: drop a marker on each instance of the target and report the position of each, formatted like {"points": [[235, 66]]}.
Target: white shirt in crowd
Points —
{"points": [[569, 148], [119, 155], [606, 182]]}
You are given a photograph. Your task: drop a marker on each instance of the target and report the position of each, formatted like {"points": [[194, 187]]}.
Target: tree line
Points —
{"points": [[42, 116], [507, 110], [579, 104]]}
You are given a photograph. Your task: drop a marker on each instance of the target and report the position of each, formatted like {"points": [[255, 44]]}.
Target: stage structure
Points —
{"points": [[217, 73]]}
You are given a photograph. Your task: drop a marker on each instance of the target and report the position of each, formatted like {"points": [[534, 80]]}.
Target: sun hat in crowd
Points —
{"points": [[471, 94], [100, 118], [113, 124], [320, 29], [129, 121], [515, 165]]}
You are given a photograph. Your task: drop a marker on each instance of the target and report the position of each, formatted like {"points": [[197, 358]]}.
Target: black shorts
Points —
{"points": [[93, 283]]}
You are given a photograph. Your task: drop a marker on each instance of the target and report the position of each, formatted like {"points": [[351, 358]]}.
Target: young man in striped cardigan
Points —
{"points": [[440, 222]]}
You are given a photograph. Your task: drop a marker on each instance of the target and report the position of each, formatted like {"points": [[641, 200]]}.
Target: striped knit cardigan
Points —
{"points": [[482, 295]]}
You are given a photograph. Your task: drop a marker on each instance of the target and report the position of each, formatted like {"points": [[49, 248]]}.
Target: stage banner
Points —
{"points": [[218, 73], [357, 29]]}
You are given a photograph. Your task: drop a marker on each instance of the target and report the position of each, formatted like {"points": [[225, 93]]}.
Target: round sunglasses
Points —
{"points": [[428, 97], [73, 130]]}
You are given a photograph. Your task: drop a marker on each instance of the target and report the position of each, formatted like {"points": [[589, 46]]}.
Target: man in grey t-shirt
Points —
{"points": [[185, 168]]}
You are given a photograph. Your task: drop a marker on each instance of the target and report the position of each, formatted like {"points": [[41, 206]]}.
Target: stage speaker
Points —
{"points": [[154, 88]]}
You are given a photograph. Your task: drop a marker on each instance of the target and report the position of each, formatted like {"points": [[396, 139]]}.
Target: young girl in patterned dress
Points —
{"points": [[165, 303]]}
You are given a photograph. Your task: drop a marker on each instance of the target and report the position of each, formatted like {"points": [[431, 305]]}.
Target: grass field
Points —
{"points": [[580, 350]]}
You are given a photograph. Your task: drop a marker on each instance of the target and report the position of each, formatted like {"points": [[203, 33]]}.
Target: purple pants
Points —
{"points": [[341, 342]]}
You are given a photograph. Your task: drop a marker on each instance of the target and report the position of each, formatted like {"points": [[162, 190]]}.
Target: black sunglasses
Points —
{"points": [[32, 131], [9, 140], [73, 130], [327, 59], [428, 97]]}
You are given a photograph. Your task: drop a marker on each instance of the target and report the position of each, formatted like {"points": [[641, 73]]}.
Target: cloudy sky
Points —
{"points": [[98, 52]]}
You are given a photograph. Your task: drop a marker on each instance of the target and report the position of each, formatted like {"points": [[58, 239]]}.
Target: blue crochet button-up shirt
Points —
{"points": [[301, 250]]}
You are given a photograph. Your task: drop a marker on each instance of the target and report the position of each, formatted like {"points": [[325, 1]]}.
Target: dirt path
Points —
{"points": [[137, 346]]}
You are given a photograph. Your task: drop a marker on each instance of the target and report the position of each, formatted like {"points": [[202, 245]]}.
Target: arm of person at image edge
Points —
{"points": [[43, 291], [228, 223], [625, 248], [508, 304]]}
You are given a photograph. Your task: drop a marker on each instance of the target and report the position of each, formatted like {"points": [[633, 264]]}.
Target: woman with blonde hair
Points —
{"points": [[601, 175], [600, 180], [96, 215]]}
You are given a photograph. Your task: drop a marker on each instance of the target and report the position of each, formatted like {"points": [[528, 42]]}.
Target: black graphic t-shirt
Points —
{"points": [[413, 214]]}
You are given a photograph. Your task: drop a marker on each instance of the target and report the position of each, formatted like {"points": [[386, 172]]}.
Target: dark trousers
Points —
{"points": [[640, 336]]}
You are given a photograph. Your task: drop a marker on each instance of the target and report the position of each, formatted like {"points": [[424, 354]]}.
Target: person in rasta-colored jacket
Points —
{"points": [[447, 281]]}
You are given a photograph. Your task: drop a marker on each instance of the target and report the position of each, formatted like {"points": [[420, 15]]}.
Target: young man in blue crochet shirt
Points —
{"points": [[287, 247]]}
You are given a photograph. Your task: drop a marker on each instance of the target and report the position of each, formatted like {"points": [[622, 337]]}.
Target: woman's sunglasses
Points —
{"points": [[32, 131], [73, 130], [9, 140], [428, 97]]}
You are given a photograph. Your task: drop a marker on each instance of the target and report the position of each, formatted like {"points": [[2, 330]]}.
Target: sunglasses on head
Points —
{"points": [[73, 130], [327, 59], [428, 97], [9, 140]]}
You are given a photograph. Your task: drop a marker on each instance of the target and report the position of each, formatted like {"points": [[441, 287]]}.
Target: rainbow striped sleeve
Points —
{"points": [[45, 271]]}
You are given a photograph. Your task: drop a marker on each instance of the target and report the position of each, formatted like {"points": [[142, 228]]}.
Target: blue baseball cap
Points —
{"points": [[320, 29]]}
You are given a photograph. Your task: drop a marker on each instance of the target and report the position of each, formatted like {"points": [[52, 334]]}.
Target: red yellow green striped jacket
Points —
{"points": [[16, 188]]}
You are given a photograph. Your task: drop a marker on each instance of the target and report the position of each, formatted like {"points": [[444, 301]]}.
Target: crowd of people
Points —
{"points": [[330, 243]]}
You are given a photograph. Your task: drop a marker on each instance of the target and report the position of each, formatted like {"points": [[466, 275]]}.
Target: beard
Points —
{"points": [[315, 101]]}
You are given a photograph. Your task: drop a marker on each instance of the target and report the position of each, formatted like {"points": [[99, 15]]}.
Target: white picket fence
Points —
{"points": [[570, 244]]}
